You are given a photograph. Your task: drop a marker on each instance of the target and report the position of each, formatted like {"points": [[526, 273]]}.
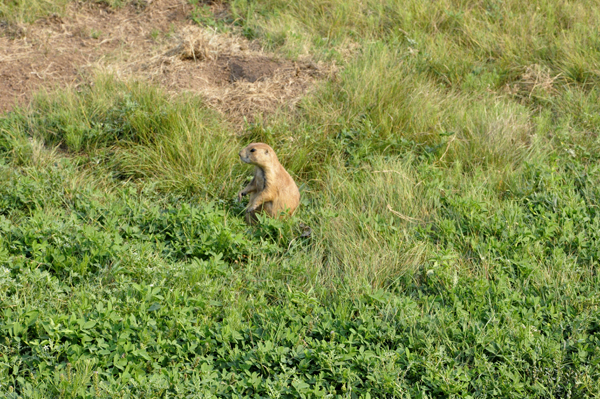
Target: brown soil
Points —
{"points": [[156, 41]]}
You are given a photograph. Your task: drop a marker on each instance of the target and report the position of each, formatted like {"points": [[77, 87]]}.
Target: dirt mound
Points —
{"points": [[156, 41], [259, 68], [234, 75]]}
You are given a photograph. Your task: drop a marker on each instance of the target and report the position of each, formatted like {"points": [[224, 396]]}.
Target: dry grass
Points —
{"points": [[158, 44], [235, 75], [536, 79]]}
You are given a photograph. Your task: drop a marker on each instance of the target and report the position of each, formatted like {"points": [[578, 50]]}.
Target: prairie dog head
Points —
{"points": [[258, 154]]}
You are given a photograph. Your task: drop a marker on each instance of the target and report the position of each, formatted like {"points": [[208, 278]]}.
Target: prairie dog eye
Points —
{"points": [[252, 150]]}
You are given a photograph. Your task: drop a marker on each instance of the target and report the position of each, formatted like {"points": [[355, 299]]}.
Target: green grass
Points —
{"points": [[137, 131], [449, 174], [30, 10]]}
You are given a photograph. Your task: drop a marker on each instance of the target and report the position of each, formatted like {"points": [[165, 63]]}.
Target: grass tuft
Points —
{"points": [[132, 130]]}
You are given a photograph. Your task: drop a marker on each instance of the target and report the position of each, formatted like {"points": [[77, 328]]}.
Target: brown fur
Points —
{"points": [[272, 189]]}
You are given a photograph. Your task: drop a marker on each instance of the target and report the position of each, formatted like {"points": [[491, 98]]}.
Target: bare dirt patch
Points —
{"points": [[56, 51], [155, 41], [234, 75]]}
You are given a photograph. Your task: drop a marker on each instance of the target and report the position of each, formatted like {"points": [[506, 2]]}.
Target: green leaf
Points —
{"points": [[155, 306], [89, 324]]}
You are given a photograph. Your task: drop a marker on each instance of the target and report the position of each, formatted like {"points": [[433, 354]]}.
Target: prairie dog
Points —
{"points": [[272, 189]]}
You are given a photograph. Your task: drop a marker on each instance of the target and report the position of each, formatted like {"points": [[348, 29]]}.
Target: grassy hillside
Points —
{"points": [[449, 173]]}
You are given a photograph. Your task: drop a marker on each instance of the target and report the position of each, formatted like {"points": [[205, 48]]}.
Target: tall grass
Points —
{"points": [[135, 131], [467, 81], [30, 10], [452, 38], [366, 222]]}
